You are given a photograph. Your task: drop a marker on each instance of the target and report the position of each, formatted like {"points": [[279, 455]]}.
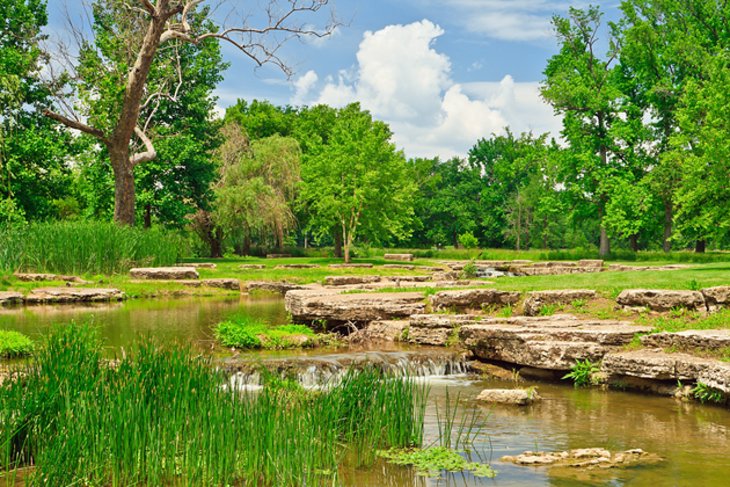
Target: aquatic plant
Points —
{"points": [[14, 344], [431, 461], [162, 416], [86, 247], [705, 393], [582, 373], [245, 332]]}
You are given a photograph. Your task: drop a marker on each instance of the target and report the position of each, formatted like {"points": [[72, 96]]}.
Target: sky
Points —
{"points": [[441, 73]]}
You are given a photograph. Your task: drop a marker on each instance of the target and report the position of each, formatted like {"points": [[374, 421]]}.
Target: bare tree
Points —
{"points": [[158, 22]]}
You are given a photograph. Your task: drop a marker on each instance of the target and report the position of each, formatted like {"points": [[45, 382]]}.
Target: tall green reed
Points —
{"points": [[85, 247], [164, 416]]}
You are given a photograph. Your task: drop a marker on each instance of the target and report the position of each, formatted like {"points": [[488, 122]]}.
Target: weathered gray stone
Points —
{"points": [[221, 283], [380, 331], [31, 277], [329, 306], [584, 458], [400, 257], [689, 340], [437, 329], [555, 342], [517, 397], [495, 371], [716, 297], [537, 299], [717, 376], [164, 273], [278, 256], [473, 298], [409, 267], [10, 297], [552, 270], [297, 266], [350, 280], [655, 365], [199, 265], [280, 287], [591, 263], [73, 295], [661, 299], [247, 267], [351, 266]]}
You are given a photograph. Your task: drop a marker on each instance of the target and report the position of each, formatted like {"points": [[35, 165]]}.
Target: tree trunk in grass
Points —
{"points": [[634, 242], [668, 217], [700, 246], [338, 245]]}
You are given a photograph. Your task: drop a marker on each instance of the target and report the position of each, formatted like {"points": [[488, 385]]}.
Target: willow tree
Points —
{"points": [[145, 26], [257, 186]]}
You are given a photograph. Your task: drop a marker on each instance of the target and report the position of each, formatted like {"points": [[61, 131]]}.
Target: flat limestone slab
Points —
{"points": [[221, 283], [661, 299], [716, 297], [537, 299], [689, 339], [655, 365], [31, 277], [164, 273], [73, 295], [271, 287], [399, 257], [584, 458], [473, 298], [10, 297], [437, 329], [331, 306], [516, 397], [200, 265], [380, 331]]}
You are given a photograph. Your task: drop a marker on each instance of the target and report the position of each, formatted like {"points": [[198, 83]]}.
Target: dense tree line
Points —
{"points": [[642, 162]]}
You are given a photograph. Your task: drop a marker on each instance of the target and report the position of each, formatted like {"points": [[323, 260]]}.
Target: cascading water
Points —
{"points": [[327, 370]]}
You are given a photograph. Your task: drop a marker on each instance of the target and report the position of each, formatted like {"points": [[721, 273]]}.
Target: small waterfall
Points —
{"points": [[327, 370]]}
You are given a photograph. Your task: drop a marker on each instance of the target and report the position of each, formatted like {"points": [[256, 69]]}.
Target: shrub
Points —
{"points": [[468, 240], [247, 333], [705, 393], [582, 373], [469, 270], [14, 344]]}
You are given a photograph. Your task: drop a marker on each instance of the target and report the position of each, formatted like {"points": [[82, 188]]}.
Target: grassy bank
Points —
{"points": [[161, 417], [85, 248]]}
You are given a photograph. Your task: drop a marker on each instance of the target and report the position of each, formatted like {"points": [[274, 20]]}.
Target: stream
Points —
{"points": [[693, 439]]}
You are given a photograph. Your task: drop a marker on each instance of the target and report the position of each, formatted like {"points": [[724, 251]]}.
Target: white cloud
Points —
{"points": [[402, 79], [303, 85]]}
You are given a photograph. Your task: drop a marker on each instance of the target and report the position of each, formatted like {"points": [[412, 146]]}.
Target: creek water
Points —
{"points": [[693, 439]]}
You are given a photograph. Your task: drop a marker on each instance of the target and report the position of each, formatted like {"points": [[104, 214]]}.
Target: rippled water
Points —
{"points": [[693, 439]]}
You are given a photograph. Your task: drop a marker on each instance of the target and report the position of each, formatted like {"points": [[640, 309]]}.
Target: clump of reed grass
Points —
{"points": [[14, 344], [85, 247], [161, 416], [245, 332]]}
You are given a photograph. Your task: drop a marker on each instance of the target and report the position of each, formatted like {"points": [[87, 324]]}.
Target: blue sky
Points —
{"points": [[441, 73]]}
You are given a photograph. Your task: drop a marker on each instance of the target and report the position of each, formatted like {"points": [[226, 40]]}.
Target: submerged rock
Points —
{"points": [[164, 273], [661, 299], [517, 397], [537, 299], [73, 295], [587, 458]]}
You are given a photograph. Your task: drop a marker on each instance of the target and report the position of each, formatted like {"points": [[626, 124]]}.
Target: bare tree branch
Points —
{"points": [[149, 153], [76, 124]]}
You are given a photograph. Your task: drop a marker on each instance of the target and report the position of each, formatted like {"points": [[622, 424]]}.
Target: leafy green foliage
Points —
{"points": [[429, 462], [582, 373], [468, 240], [705, 393], [470, 270], [14, 344], [247, 333]]}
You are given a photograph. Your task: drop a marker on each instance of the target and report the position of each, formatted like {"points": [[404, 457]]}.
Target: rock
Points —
{"points": [[10, 297], [199, 265], [296, 266], [280, 287], [400, 257], [655, 365], [473, 298], [277, 256], [380, 331], [350, 280], [551, 342], [591, 263], [661, 299], [246, 267], [351, 266], [717, 376], [716, 297], [334, 308], [689, 340], [28, 277], [495, 371], [437, 329], [537, 299], [164, 273], [223, 283], [73, 295], [517, 397], [587, 458], [399, 266]]}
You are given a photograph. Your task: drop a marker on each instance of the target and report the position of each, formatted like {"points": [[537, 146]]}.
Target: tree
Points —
{"points": [[127, 48], [33, 173], [257, 186], [357, 181], [582, 88]]}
